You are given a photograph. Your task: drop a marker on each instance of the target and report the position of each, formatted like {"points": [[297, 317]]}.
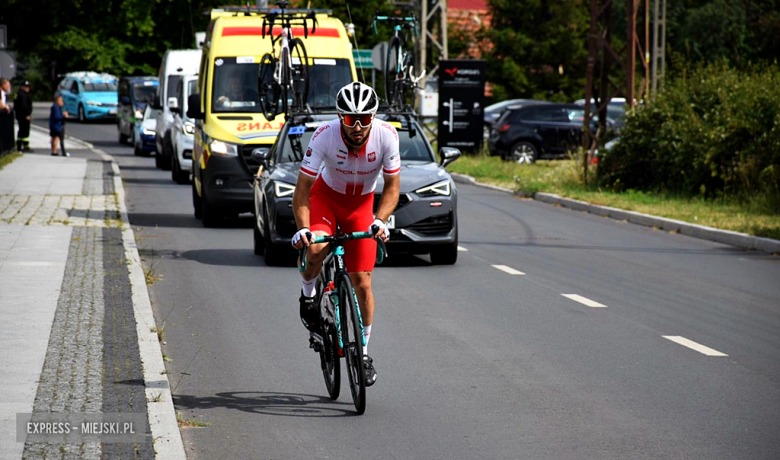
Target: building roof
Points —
{"points": [[467, 5]]}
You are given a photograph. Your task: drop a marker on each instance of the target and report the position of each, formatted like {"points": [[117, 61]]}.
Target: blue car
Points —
{"points": [[90, 95]]}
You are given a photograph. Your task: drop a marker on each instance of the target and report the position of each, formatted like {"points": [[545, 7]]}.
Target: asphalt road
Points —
{"points": [[473, 361]]}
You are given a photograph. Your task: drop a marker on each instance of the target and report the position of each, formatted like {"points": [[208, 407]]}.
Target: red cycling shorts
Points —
{"points": [[352, 213]]}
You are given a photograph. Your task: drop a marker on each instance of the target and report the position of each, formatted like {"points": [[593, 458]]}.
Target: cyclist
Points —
{"points": [[352, 151]]}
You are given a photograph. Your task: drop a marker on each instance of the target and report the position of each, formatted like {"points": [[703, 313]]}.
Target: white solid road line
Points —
{"points": [[694, 346], [462, 249], [509, 270], [584, 300]]}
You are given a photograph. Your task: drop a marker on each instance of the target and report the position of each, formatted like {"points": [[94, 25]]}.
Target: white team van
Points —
{"points": [[175, 65]]}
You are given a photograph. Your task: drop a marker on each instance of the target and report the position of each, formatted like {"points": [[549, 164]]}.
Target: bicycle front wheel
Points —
{"points": [[329, 354], [267, 88], [352, 339], [391, 69], [300, 73]]}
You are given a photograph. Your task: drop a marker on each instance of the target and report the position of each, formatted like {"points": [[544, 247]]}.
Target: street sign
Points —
{"points": [[362, 59], [378, 55], [461, 103]]}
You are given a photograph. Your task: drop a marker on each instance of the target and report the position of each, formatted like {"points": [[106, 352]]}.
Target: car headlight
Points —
{"points": [[139, 114], [188, 128], [282, 190], [147, 132], [94, 103], [219, 147], [442, 188]]}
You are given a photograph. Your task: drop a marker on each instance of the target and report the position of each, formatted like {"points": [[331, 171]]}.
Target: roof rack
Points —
{"points": [[253, 9]]}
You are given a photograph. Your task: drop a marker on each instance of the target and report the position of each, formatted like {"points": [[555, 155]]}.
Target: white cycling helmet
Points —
{"points": [[357, 97]]}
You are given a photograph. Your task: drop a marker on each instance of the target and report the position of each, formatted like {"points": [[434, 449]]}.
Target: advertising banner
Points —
{"points": [[461, 103]]}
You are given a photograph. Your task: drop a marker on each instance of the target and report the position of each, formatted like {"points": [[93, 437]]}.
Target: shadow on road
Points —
{"points": [[138, 168], [260, 402], [149, 181], [163, 220]]}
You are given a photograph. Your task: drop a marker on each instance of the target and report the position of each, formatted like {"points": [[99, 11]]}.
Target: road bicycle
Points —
{"points": [[399, 79], [341, 325], [283, 78]]}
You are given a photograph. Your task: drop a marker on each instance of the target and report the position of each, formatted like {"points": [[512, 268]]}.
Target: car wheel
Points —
{"points": [[524, 152], [274, 255], [166, 155], [159, 160], [196, 201], [208, 213], [177, 174], [122, 138], [82, 115], [446, 254], [258, 240]]}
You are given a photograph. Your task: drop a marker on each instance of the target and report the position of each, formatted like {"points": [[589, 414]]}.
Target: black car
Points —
{"points": [[424, 222], [528, 133], [494, 111], [134, 93]]}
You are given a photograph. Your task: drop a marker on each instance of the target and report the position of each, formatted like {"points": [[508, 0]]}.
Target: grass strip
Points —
{"points": [[563, 178], [6, 160]]}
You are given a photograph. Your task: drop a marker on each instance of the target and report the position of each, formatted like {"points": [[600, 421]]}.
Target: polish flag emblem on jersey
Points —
{"points": [[372, 156]]}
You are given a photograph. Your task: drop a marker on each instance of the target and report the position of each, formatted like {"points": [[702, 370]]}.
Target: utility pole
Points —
{"points": [[436, 35], [659, 45]]}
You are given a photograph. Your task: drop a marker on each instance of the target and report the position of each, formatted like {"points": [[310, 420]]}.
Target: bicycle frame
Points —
{"points": [[402, 78], [333, 266]]}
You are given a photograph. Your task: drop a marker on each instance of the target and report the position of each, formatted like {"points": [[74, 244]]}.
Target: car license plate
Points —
{"points": [[391, 222], [112, 112]]}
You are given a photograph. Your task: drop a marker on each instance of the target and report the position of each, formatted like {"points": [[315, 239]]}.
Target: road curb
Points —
{"points": [[168, 444], [737, 239]]}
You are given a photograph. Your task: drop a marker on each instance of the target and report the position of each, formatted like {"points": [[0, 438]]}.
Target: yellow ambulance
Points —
{"points": [[229, 124]]}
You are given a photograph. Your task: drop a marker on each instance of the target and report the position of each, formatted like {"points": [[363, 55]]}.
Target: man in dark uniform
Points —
{"points": [[23, 107]]}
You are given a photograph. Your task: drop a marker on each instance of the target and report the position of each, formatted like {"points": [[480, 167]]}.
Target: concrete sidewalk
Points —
{"points": [[72, 337]]}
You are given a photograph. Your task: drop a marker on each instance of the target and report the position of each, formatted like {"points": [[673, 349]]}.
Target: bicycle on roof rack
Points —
{"points": [[283, 78], [399, 79]]}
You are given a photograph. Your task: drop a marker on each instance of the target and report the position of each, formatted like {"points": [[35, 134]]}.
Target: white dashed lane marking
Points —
{"points": [[509, 270], [584, 300], [693, 345], [462, 249]]}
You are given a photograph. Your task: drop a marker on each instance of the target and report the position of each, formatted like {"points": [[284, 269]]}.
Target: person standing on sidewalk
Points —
{"points": [[57, 118], [6, 121], [23, 107]]}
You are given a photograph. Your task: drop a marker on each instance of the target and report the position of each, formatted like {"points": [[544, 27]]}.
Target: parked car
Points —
{"points": [[494, 111], [528, 133], [424, 222], [134, 94], [175, 64], [144, 134], [182, 131], [89, 95], [616, 110]]}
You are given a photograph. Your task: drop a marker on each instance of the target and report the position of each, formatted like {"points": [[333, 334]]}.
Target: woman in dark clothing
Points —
{"points": [[57, 118]]}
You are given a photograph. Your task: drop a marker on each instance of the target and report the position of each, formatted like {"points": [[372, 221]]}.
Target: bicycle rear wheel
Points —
{"points": [[391, 69], [299, 74], [284, 60], [329, 354], [267, 88], [352, 339]]}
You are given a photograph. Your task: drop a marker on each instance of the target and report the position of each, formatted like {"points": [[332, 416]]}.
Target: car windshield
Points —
{"points": [[234, 87], [412, 145], [144, 93], [96, 87]]}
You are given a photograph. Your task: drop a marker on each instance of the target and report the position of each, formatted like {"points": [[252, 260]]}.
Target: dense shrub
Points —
{"points": [[713, 132]]}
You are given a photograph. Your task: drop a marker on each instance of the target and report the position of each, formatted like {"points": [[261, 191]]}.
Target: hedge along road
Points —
{"points": [[558, 334]]}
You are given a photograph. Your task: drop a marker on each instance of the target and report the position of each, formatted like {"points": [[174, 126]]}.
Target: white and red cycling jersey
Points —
{"points": [[347, 171]]}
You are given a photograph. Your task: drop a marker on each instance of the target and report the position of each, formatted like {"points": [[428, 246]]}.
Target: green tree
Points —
{"points": [[539, 49]]}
